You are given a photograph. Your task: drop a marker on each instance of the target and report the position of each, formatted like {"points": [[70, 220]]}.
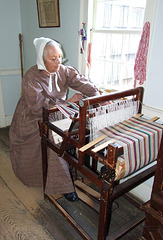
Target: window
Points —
{"points": [[115, 36]]}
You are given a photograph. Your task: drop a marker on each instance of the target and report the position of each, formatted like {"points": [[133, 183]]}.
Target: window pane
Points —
{"points": [[113, 57], [114, 47], [122, 14]]}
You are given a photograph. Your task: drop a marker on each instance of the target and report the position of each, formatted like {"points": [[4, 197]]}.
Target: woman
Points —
{"points": [[44, 84]]}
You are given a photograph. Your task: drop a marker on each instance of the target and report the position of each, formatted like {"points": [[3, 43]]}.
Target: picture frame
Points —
{"points": [[48, 13]]}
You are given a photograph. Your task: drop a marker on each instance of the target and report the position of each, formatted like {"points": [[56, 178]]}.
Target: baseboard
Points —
{"points": [[152, 112], [8, 119]]}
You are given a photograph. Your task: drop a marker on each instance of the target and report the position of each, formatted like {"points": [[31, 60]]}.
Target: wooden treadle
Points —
{"points": [[83, 190], [88, 200], [87, 189]]}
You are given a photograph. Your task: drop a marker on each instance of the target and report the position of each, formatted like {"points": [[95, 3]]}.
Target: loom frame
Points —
{"points": [[110, 190], [153, 227]]}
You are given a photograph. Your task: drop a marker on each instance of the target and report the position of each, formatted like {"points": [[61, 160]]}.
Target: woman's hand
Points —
{"points": [[76, 97]]}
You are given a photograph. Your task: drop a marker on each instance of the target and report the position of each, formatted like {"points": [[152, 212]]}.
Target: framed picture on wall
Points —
{"points": [[48, 13]]}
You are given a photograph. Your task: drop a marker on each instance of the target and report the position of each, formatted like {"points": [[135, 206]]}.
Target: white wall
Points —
{"points": [[10, 26], [20, 16], [10, 79], [66, 34], [154, 83]]}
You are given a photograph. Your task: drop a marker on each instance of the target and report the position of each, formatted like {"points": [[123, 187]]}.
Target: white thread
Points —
{"points": [[110, 115]]}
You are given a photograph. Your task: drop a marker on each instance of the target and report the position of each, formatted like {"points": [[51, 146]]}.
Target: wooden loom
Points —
{"points": [[78, 138]]}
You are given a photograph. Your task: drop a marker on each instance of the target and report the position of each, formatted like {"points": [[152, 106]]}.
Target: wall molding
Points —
{"points": [[8, 119], [4, 119], [7, 72]]}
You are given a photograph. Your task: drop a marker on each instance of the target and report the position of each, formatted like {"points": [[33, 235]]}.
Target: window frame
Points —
{"points": [[87, 17]]}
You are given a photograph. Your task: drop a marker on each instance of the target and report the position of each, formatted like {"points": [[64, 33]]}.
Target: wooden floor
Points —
{"points": [[24, 214]]}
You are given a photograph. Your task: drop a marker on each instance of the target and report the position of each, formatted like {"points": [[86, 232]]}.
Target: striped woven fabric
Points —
{"points": [[140, 140], [67, 111]]}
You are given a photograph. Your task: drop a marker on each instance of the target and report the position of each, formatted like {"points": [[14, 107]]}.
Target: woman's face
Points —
{"points": [[53, 58]]}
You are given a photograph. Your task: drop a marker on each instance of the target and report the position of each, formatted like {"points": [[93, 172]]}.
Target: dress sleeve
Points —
{"points": [[34, 96], [79, 83]]}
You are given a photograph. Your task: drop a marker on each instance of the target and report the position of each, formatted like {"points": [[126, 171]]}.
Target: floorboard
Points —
{"points": [[16, 220], [24, 214]]}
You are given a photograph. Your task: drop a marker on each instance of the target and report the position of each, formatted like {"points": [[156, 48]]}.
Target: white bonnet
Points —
{"points": [[39, 44]]}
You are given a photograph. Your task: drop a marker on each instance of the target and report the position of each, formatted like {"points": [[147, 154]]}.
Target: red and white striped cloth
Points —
{"points": [[141, 56], [140, 140]]}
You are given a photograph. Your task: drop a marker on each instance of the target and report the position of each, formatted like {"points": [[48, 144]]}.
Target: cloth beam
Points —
{"points": [[140, 139]]}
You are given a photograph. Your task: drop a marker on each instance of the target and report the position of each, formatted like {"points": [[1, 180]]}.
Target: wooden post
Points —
{"points": [[153, 228], [106, 201], [21, 53], [105, 210]]}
